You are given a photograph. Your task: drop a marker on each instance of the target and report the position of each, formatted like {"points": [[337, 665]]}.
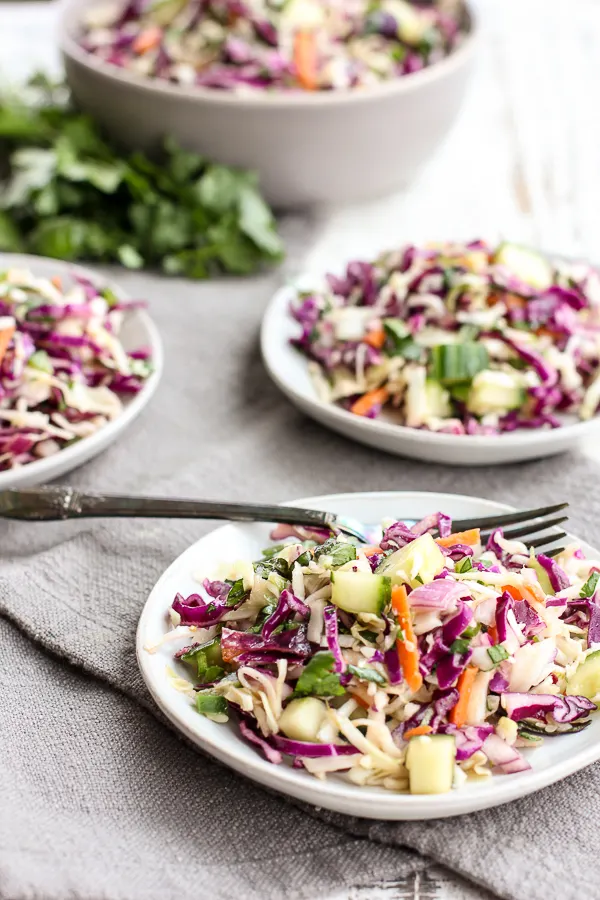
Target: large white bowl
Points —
{"points": [[138, 330], [289, 370], [556, 759], [324, 147]]}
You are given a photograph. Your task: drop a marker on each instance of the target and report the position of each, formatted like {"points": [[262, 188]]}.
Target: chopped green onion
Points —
{"points": [[463, 565], [497, 653], [366, 673], [460, 645]]}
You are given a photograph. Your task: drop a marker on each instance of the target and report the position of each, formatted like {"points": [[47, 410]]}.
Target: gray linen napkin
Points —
{"points": [[218, 428]]}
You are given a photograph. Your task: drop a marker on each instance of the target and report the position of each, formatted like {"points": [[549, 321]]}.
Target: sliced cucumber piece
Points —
{"points": [[544, 580], [412, 25], [585, 681], [302, 718], [164, 11], [360, 592], [417, 563], [437, 400], [456, 363], [430, 763], [528, 265], [211, 651], [495, 392]]}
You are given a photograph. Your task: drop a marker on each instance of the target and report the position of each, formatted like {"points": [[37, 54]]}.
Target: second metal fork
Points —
{"points": [[58, 503]]}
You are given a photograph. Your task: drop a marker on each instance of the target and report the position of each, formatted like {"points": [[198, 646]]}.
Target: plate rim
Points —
{"points": [[366, 802], [42, 470], [515, 440]]}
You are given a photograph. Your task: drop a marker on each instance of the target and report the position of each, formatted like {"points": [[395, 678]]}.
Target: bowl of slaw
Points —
{"points": [[468, 353], [359, 129], [79, 362]]}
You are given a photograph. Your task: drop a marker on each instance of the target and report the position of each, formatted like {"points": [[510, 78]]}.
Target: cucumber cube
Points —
{"points": [[360, 592], [430, 763], [302, 718], [585, 681], [528, 265], [416, 564]]}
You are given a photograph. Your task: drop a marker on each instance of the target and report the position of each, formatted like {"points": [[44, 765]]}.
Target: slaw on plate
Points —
{"points": [[457, 338], [63, 368], [250, 45], [416, 664]]}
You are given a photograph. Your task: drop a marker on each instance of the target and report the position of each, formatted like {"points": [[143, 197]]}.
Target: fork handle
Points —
{"points": [[58, 503]]}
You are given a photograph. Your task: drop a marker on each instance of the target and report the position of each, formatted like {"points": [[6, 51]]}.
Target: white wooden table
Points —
{"points": [[522, 162]]}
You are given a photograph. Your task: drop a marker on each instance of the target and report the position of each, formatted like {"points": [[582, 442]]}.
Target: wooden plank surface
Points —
{"points": [[522, 161]]}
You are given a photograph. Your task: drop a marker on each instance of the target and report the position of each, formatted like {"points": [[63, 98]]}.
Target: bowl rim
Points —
{"points": [[70, 14]]}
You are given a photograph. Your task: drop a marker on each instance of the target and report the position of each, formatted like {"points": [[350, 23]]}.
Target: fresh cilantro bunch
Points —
{"points": [[67, 193]]}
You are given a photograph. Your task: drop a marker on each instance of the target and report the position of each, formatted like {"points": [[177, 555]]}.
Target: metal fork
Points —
{"points": [[57, 503]]}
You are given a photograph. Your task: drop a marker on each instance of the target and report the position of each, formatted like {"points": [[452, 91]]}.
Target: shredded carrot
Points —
{"points": [[305, 59], [458, 714], [408, 651], [470, 537], [57, 282], [360, 700], [5, 339], [375, 338], [147, 39], [420, 729], [531, 593], [513, 301], [372, 398], [492, 633], [368, 551]]}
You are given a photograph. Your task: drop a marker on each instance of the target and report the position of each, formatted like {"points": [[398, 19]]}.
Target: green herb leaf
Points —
{"points": [[463, 565], [318, 677], [276, 565], [366, 673], [129, 257], [257, 222], [340, 552], [237, 592], [304, 558], [70, 194], [497, 653], [589, 588], [400, 341], [272, 551], [10, 239]]}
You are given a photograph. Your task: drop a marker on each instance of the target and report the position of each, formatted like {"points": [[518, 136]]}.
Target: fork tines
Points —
{"points": [[536, 521]]}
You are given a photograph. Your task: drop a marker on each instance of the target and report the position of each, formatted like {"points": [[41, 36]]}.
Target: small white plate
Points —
{"points": [[556, 759], [288, 369], [138, 331]]}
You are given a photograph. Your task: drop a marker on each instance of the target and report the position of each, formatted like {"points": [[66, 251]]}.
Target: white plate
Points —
{"points": [[557, 758], [138, 330], [288, 369]]}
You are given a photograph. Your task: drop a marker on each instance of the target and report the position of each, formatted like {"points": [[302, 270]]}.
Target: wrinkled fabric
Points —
{"points": [[100, 797]]}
